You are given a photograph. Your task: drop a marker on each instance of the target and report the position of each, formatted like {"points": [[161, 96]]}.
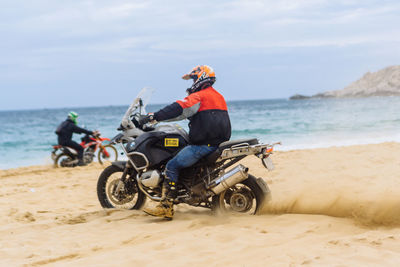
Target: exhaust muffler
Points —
{"points": [[229, 179]]}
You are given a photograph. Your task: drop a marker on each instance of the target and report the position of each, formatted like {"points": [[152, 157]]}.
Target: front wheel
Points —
{"points": [[246, 197], [107, 154], [113, 193]]}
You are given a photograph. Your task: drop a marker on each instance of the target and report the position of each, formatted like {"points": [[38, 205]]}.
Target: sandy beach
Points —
{"points": [[336, 206]]}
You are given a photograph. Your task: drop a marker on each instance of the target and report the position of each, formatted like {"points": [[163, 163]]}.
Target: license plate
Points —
{"points": [[267, 162]]}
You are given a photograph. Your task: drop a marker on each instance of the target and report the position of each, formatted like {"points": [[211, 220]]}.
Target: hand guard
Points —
{"points": [[126, 124]]}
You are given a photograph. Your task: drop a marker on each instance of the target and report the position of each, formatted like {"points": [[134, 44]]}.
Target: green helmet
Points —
{"points": [[73, 116]]}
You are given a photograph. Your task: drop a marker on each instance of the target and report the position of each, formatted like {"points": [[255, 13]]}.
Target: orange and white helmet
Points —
{"points": [[203, 76]]}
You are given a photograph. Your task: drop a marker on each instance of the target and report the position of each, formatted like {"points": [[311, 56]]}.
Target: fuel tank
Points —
{"points": [[157, 146]]}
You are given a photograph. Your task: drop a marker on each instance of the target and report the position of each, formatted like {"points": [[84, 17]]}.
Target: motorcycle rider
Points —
{"points": [[65, 131], [209, 126]]}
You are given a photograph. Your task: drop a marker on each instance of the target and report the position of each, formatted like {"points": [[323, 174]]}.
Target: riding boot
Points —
{"points": [[165, 209]]}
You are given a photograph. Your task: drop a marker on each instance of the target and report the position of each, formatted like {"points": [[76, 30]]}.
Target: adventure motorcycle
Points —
{"points": [[208, 183], [64, 156]]}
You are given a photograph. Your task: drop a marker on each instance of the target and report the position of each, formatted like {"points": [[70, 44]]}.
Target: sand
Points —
{"points": [[330, 207]]}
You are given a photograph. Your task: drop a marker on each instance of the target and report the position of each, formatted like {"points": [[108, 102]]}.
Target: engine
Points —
{"points": [[88, 155], [150, 178]]}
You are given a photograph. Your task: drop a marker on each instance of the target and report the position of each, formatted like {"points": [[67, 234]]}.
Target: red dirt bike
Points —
{"points": [[68, 157]]}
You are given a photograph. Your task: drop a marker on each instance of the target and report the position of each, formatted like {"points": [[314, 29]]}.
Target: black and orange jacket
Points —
{"points": [[208, 115]]}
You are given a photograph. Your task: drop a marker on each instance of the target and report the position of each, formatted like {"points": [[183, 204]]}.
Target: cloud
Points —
{"points": [[119, 11], [64, 44], [133, 31], [264, 21]]}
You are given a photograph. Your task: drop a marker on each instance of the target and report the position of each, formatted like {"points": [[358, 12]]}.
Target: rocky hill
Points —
{"points": [[385, 82]]}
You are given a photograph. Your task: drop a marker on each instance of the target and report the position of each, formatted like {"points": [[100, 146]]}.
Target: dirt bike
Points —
{"points": [[64, 156], [208, 183]]}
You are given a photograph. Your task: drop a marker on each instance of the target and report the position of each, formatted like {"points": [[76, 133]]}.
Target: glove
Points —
{"points": [[146, 118]]}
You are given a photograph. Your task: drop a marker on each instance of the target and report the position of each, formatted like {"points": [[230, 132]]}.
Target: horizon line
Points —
{"points": [[122, 105]]}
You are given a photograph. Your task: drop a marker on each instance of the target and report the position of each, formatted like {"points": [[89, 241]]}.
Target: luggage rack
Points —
{"points": [[244, 149]]}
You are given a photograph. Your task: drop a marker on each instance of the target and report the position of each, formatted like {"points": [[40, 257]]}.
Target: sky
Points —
{"points": [[95, 53]]}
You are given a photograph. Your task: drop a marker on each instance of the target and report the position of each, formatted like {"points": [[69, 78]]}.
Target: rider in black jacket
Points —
{"points": [[65, 131]]}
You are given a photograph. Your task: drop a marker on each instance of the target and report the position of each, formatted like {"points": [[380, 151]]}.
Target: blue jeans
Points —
{"points": [[185, 158]]}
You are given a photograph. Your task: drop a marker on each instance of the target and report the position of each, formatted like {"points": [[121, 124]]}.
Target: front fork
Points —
{"points": [[121, 183], [104, 151]]}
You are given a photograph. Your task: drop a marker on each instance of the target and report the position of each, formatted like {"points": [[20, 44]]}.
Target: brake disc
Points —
{"points": [[121, 197]]}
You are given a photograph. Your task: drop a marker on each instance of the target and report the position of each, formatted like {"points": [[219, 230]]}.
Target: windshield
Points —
{"points": [[138, 106], [144, 96]]}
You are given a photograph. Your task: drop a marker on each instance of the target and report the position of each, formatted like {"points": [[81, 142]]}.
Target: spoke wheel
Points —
{"points": [[113, 193], [111, 157], [64, 160]]}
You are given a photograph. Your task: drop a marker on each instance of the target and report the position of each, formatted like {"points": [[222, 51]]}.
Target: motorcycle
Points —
{"points": [[208, 183], [64, 156]]}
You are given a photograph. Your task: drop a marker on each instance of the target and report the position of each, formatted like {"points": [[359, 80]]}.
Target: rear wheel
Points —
{"points": [[246, 197], [64, 160], [108, 154], [113, 193]]}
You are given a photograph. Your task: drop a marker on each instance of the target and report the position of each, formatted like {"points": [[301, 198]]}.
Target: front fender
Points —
{"points": [[119, 164]]}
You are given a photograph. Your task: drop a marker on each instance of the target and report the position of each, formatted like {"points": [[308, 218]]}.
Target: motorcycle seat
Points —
{"points": [[214, 155], [228, 144], [70, 149]]}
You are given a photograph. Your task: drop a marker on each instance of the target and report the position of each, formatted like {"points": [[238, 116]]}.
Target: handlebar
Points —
{"points": [[96, 134], [135, 123]]}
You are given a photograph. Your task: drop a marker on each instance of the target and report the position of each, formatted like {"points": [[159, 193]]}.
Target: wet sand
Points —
{"points": [[337, 206]]}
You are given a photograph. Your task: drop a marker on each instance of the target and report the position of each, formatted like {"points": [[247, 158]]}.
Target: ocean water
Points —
{"points": [[26, 136]]}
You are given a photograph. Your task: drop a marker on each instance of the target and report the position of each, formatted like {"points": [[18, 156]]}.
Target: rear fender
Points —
{"points": [[264, 188], [119, 164], [262, 185]]}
